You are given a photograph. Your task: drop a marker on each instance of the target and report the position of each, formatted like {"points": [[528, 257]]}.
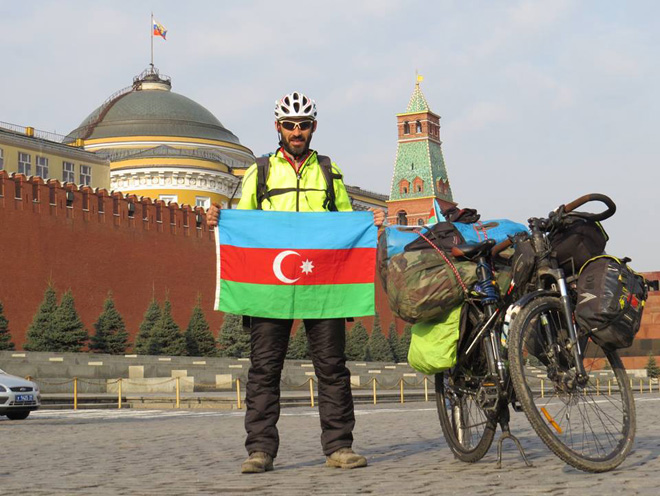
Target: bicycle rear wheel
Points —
{"points": [[582, 424], [467, 428]]}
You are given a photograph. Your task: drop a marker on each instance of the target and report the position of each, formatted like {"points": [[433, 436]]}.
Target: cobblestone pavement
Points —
{"points": [[171, 452]]}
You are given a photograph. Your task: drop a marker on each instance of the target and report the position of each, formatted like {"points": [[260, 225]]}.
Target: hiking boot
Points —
{"points": [[345, 458], [257, 462]]}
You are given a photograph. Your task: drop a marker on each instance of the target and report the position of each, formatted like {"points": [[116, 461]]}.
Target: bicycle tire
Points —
{"points": [[590, 431], [468, 430], [471, 438]]}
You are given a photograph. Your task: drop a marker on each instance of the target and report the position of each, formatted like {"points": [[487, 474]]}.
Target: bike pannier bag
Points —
{"points": [[524, 259], [392, 241], [422, 286], [610, 302], [433, 344], [577, 242]]}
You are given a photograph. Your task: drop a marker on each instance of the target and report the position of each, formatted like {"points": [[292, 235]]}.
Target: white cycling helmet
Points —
{"points": [[295, 105]]}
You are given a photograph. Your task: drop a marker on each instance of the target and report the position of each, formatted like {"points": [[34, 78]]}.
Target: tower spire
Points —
{"points": [[420, 176]]}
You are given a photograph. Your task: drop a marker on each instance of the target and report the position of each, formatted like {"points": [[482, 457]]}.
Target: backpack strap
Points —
{"points": [[330, 176], [263, 168]]}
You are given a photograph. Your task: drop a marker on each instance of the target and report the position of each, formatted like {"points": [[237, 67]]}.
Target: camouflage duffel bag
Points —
{"points": [[421, 285]]}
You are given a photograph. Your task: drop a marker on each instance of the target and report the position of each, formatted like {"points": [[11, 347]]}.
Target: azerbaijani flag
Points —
{"points": [[295, 265], [159, 30], [436, 214]]}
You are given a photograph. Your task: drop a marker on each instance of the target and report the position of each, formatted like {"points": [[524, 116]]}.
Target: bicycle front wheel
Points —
{"points": [[588, 424]]}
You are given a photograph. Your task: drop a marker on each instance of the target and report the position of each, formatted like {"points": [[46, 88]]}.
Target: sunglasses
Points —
{"points": [[302, 125]]}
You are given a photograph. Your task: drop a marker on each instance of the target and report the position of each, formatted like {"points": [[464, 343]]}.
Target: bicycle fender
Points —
{"points": [[515, 307], [532, 296]]}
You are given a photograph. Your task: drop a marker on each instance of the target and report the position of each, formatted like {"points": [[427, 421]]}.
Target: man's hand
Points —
{"points": [[379, 216], [212, 215]]}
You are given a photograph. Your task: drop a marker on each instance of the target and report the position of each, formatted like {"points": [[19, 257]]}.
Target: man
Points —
{"points": [[296, 182]]}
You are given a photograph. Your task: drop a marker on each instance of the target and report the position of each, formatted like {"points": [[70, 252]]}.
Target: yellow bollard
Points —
{"points": [[650, 387], [75, 393], [401, 386], [178, 392], [426, 388], [631, 384], [373, 383], [641, 387], [311, 391], [119, 395], [542, 389], [238, 393]]}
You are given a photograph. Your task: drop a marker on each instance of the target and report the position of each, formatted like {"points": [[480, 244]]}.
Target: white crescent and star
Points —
{"points": [[307, 266]]}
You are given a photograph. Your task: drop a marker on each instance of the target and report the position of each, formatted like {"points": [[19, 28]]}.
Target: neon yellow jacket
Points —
{"points": [[309, 187]]}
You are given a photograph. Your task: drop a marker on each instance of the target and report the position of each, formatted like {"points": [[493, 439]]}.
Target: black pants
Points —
{"points": [[269, 341]]}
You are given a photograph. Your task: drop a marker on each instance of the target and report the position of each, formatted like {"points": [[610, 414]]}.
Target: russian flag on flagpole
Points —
{"points": [[295, 265], [159, 29]]}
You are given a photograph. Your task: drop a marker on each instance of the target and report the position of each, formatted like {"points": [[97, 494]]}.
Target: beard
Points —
{"points": [[296, 147]]}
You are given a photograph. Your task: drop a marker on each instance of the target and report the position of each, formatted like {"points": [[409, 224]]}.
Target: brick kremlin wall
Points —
{"points": [[92, 242]]}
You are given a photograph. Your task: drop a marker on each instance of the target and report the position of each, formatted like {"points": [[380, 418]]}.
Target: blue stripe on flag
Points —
{"points": [[315, 230]]}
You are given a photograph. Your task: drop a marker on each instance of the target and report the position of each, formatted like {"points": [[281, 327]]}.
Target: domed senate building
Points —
{"points": [[163, 145]]}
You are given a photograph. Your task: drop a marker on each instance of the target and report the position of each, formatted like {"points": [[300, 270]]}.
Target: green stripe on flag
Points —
{"points": [[322, 301]]}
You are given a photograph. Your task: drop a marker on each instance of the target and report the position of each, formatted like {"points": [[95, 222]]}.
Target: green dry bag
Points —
{"points": [[433, 344]]}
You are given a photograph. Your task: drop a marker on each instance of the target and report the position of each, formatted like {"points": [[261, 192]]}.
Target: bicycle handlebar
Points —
{"points": [[609, 212]]}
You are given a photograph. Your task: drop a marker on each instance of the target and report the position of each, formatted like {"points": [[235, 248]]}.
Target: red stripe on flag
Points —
{"points": [[297, 267]]}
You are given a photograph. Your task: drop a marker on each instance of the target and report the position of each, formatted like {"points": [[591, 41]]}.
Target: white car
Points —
{"points": [[18, 397]]}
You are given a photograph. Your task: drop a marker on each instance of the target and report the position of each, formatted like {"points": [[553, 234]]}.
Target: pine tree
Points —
{"points": [[68, 331], [379, 347], [5, 335], [404, 344], [42, 323], [199, 338], [166, 337], [298, 345], [393, 341], [233, 340], [151, 316], [356, 344], [110, 331], [652, 369]]}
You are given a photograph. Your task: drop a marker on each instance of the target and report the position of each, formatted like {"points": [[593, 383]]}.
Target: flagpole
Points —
{"points": [[151, 35]]}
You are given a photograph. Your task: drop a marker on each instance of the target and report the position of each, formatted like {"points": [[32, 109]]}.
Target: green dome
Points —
{"points": [[152, 110]]}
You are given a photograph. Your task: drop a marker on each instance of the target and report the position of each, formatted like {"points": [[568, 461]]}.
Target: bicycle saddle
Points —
{"points": [[471, 251]]}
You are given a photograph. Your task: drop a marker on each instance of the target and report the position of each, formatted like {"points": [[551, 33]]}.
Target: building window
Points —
{"points": [[418, 127], [418, 185], [202, 201], [404, 187], [85, 175], [169, 198], [406, 128], [402, 218], [68, 172], [2, 159], [42, 167], [420, 222], [24, 163]]}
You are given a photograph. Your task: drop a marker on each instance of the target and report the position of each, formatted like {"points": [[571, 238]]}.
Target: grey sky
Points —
{"points": [[541, 101]]}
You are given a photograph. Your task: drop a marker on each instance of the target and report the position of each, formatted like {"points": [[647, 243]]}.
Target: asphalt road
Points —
{"points": [[177, 452]]}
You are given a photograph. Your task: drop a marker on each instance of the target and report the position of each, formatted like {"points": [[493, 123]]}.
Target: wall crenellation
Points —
{"points": [[70, 201]]}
